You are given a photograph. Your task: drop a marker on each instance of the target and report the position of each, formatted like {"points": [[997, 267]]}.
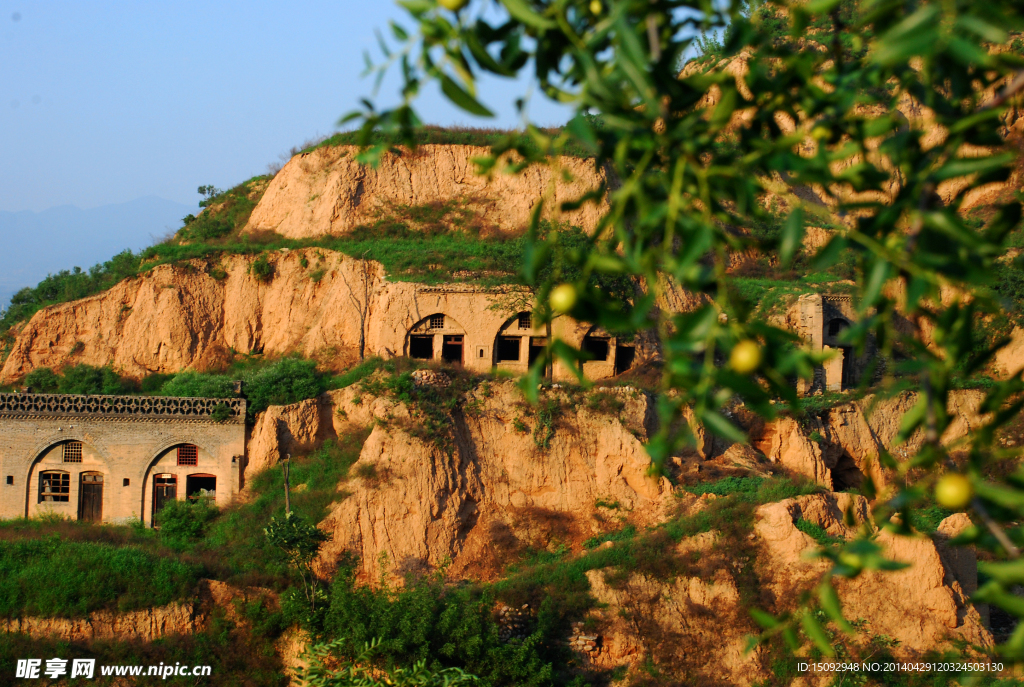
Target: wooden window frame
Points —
{"points": [[63, 492]]}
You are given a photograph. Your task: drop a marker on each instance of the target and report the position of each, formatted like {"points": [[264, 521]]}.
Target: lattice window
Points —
{"points": [[54, 487], [525, 320], [437, 321], [73, 452], [188, 455]]}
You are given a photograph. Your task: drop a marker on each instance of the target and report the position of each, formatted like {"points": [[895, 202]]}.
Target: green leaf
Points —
{"points": [[821, 6], [459, 96], [814, 630], [829, 253], [961, 167], [416, 6], [1007, 573], [765, 620], [722, 427], [830, 604], [521, 11], [792, 235]]}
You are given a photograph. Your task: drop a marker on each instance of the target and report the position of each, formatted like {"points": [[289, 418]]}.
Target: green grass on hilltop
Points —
{"points": [[464, 136]]}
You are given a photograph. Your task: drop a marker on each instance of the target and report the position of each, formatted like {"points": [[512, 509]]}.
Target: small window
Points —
{"points": [[188, 455], [437, 321], [126, 482], [73, 452], [525, 320], [508, 348], [10, 479], [54, 487]]}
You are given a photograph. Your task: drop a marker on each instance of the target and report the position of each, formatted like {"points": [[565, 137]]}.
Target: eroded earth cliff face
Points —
{"points": [[485, 496], [176, 317], [326, 192], [476, 503]]}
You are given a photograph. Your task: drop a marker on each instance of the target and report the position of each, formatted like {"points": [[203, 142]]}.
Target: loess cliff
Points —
{"points": [[327, 192], [491, 496]]}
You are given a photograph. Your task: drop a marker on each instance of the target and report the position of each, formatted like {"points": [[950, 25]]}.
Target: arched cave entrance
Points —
{"points": [[518, 343], [437, 337], [66, 478], [609, 354]]}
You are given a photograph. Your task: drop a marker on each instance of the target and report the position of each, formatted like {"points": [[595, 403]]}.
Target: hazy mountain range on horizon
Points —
{"points": [[35, 244]]}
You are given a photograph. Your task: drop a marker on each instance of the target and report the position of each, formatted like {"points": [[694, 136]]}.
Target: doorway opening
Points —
{"points": [[597, 347], [200, 487], [508, 348], [90, 497], [624, 356], [537, 345], [848, 380], [421, 346], [451, 349], [165, 490]]}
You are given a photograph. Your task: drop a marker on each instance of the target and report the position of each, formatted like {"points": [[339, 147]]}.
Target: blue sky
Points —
{"points": [[106, 102]]}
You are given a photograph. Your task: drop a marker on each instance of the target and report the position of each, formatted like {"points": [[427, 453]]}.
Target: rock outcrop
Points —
{"points": [[696, 626], [924, 606], [843, 446], [184, 316], [316, 303], [489, 492], [326, 192], [136, 626]]}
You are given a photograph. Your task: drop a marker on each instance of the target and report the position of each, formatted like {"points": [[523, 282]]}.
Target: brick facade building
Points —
{"points": [[116, 458]]}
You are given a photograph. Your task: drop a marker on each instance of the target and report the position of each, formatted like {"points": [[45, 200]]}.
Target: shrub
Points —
{"points": [[43, 380], [198, 385], [86, 379], [289, 380], [79, 379], [262, 269], [446, 627], [181, 521], [817, 533], [221, 412], [206, 227]]}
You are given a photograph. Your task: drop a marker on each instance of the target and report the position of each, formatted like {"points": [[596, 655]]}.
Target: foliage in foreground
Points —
{"points": [[694, 182]]}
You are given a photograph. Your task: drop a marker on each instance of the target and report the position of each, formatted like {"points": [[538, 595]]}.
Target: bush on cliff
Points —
{"points": [[78, 379], [281, 382]]}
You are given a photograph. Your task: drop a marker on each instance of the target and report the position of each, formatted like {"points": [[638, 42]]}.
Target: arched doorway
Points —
{"points": [[66, 479], [165, 490], [437, 337], [607, 353], [168, 477]]}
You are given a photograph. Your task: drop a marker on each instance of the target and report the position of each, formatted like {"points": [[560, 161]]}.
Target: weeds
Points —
{"points": [[49, 577]]}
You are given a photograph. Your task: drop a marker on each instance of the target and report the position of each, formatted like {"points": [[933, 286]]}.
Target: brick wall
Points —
{"points": [[125, 441]]}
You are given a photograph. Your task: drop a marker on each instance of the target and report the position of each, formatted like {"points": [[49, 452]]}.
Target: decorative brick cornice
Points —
{"points": [[118, 407]]}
